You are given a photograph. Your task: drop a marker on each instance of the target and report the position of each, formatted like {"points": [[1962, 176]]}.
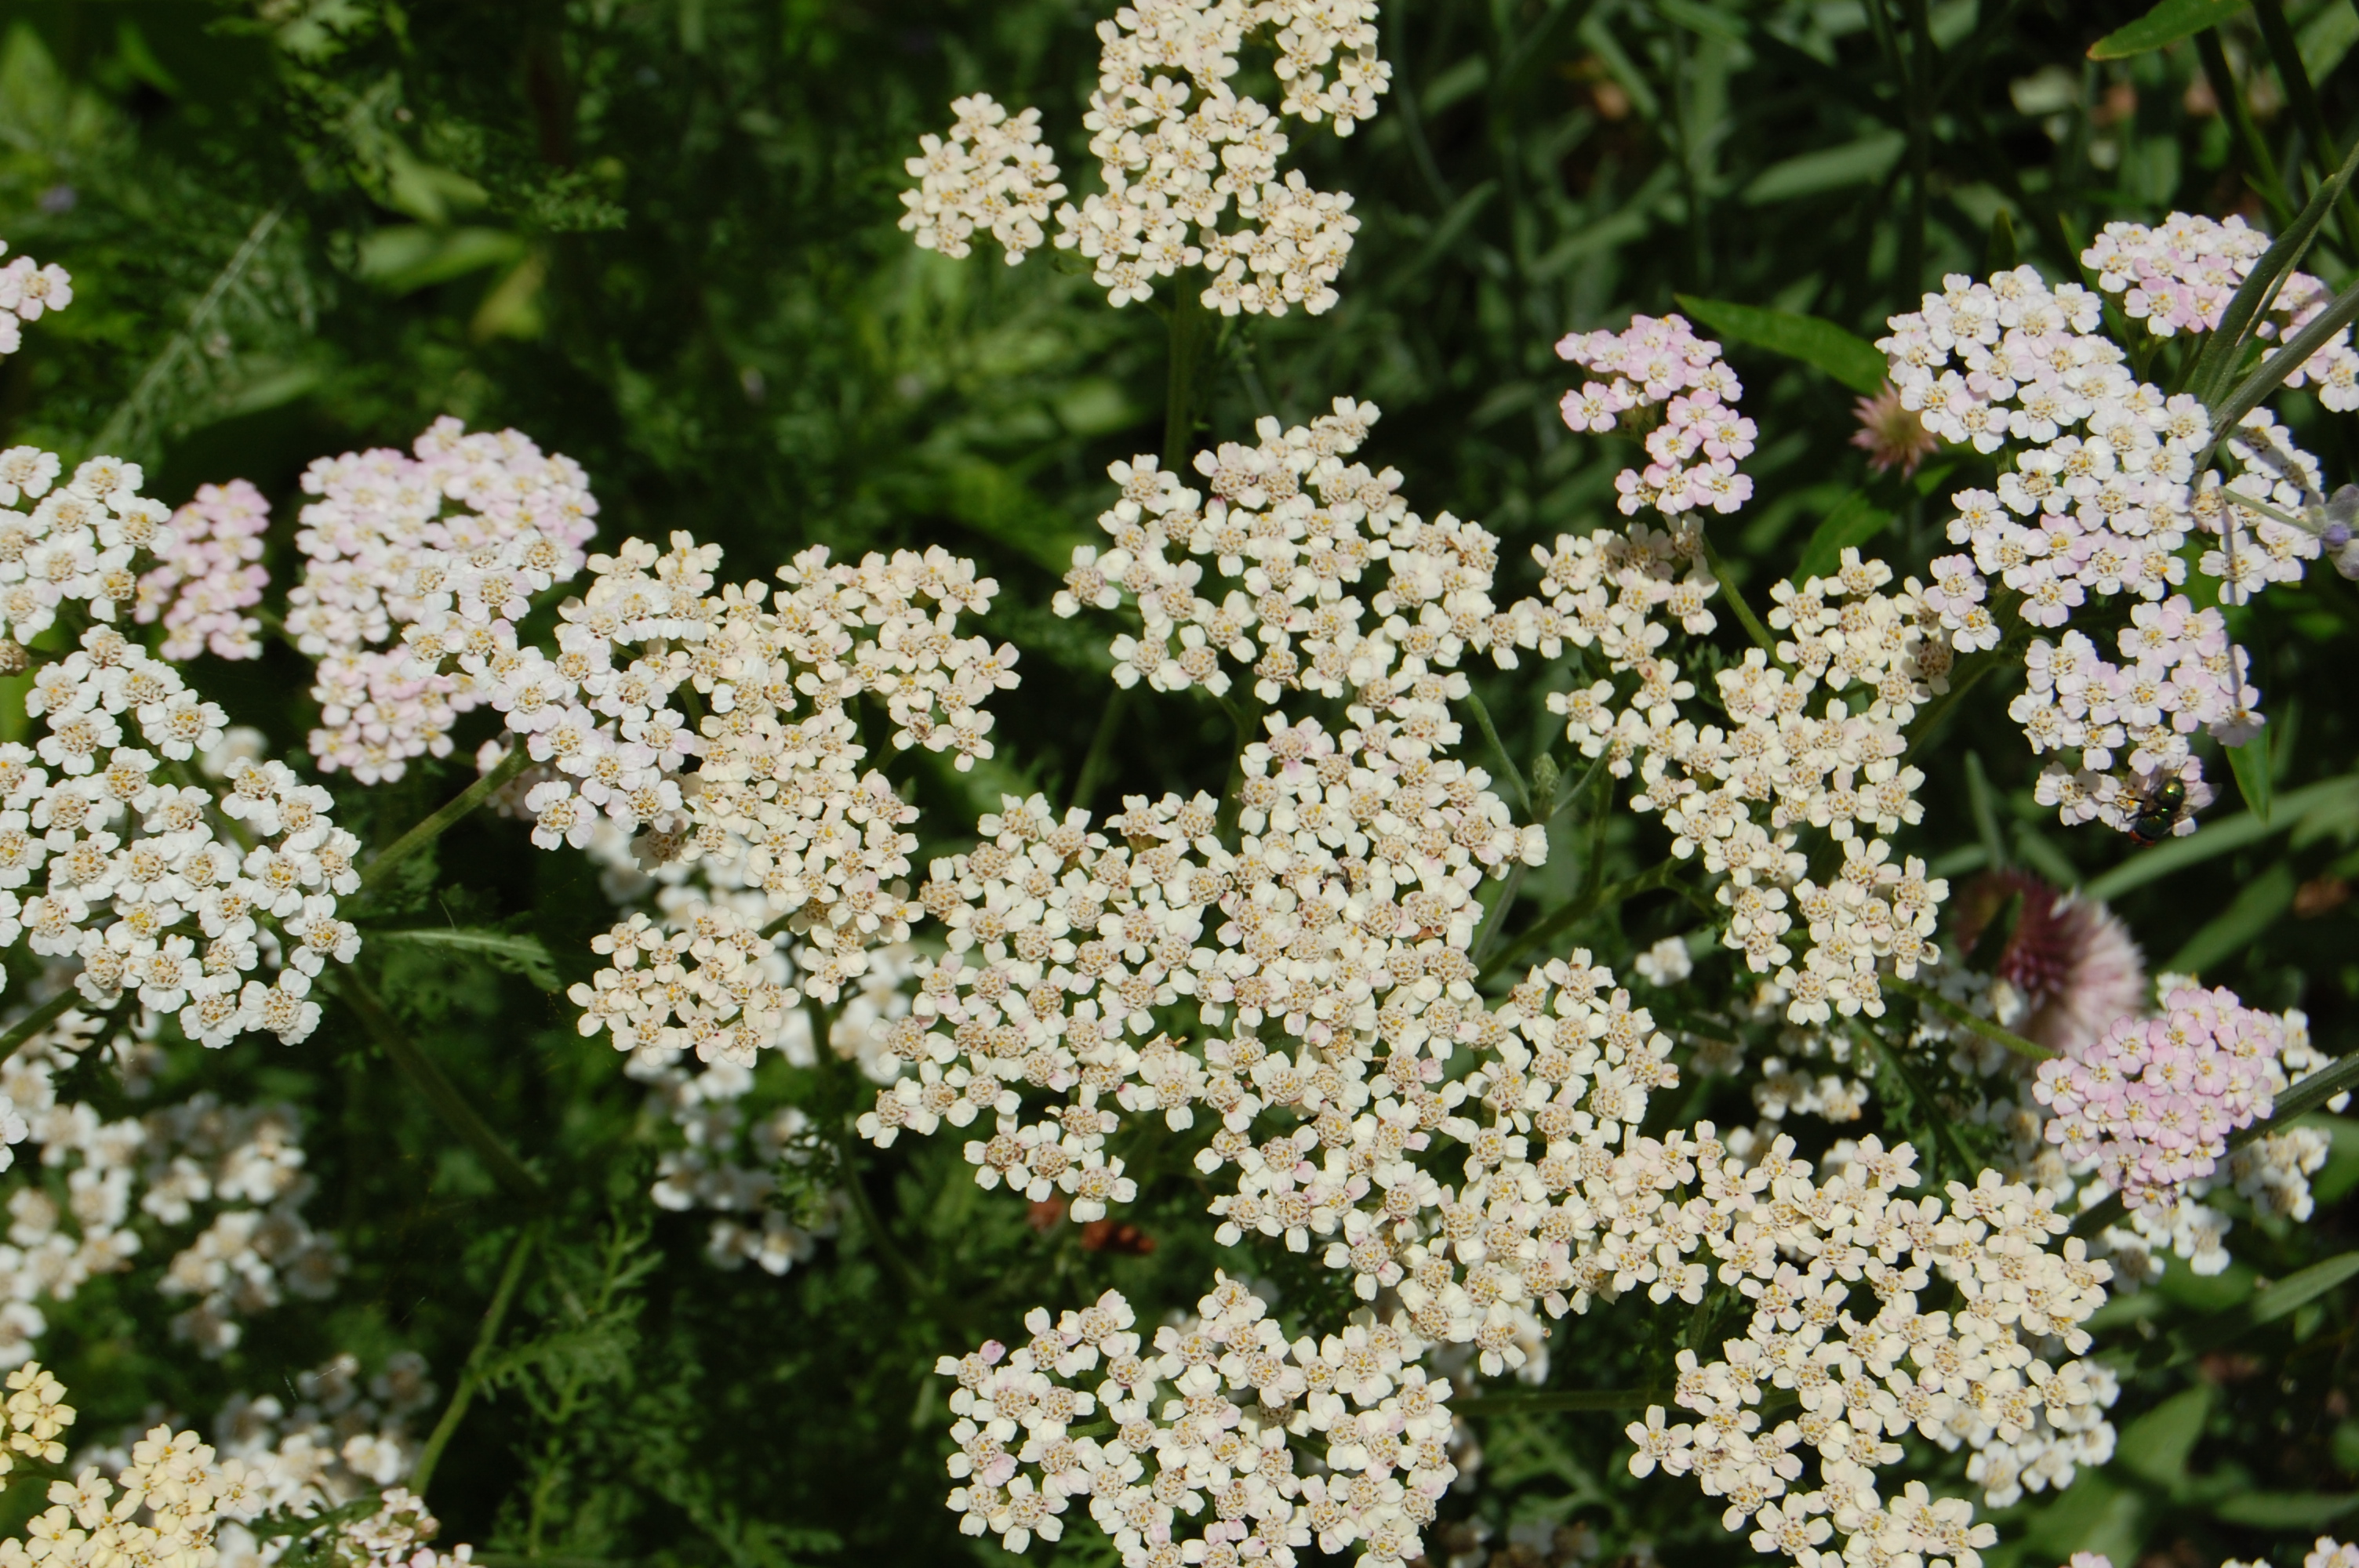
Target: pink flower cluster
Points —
{"points": [[392, 532], [2181, 673], [2179, 278], [2154, 1101], [27, 290], [209, 575], [1697, 447]]}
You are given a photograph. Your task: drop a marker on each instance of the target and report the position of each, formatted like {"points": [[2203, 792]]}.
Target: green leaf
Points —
{"points": [[2286, 1510], [2000, 255], [2254, 910], [2166, 24], [1853, 522], [2267, 1306], [1851, 360], [2250, 764], [2155, 1447], [519, 953], [1862, 162]]}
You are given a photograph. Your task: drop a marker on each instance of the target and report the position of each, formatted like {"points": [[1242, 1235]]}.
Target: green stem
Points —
{"points": [[1498, 917], [1922, 1096], [1925, 996], [434, 826], [447, 1098], [1190, 326], [1737, 602], [1491, 733], [2265, 178], [888, 1249], [2287, 52], [1579, 910], [1094, 760], [471, 1375], [33, 1023], [1962, 677], [1543, 1399]]}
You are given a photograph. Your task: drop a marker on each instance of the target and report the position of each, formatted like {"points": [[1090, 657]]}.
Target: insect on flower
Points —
{"points": [[2158, 812]]}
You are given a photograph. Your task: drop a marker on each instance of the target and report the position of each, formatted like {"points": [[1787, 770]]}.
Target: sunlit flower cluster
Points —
{"points": [[1696, 448], [222, 1186], [176, 893], [2131, 723], [991, 174], [209, 575], [462, 527], [778, 805], [2154, 1100], [2178, 277], [1177, 148], [1969, 1375], [1197, 1465]]}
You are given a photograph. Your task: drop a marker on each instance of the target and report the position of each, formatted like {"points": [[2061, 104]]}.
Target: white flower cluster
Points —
{"points": [[210, 574], [174, 1502], [107, 1189], [143, 863], [2131, 723], [2272, 1173], [1174, 169], [75, 552], [2098, 491], [1737, 796], [344, 1439], [2325, 1552], [470, 526], [990, 174], [778, 805], [28, 292], [1196, 1425], [2179, 277], [1968, 1375], [1290, 531]]}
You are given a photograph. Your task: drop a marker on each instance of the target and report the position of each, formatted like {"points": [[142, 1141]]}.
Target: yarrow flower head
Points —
{"points": [[1178, 148]]}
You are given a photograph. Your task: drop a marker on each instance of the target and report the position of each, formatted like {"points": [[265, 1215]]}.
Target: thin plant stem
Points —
{"points": [[1580, 909], [1925, 996], [1497, 918], [2263, 168], [1095, 760], [1737, 602], [887, 1249], [33, 1023], [2287, 52], [1539, 1401], [1491, 733], [1191, 329], [471, 1375], [459, 806], [456, 1109]]}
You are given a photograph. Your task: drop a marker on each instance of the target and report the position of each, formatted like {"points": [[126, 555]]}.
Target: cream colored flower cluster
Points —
{"points": [[778, 805], [991, 173], [347, 1435], [1814, 740], [107, 1189], [478, 522], [1190, 1461], [1178, 149], [145, 863], [1969, 1374], [1290, 538], [171, 1501]]}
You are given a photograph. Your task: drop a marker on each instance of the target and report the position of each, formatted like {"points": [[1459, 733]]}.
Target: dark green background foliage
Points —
{"points": [[660, 237]]}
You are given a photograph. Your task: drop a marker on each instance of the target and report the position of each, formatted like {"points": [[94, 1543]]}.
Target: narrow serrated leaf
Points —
{"points": [[1850, 359], [2166, 24]]}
